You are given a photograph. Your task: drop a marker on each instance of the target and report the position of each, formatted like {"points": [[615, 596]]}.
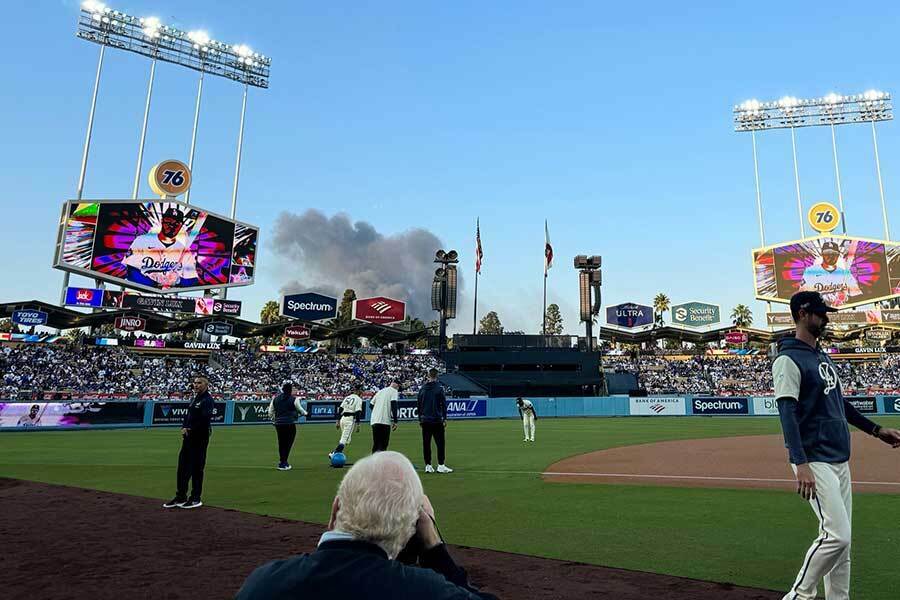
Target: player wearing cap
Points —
{"points": [[384, 415], [284, 410], [529, 416], [164, 258], [349, 416], [814, 417], [32, 419], [831, 276]]}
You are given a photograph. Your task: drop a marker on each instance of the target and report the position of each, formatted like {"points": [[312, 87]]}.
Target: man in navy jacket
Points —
{"points": [[379, 507], [196, 427], [432, 404]]}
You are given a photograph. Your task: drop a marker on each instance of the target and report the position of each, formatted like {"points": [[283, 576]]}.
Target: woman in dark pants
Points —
{"points": [[284, 410]]}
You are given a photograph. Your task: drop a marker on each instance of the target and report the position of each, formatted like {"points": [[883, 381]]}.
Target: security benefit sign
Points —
{"points": [[173, 413], [892, 404], [695, 314], [720, 406], [251, 412], [629, 315], [657, 406]]}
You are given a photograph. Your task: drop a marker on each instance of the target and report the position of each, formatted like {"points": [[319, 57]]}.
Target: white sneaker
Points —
{"points": [[429, 469], [531, 440], [525, 440], [444, 469]]}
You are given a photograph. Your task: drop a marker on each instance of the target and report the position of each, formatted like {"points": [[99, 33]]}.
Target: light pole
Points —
{"points": [[443, 292], [589, 277]]}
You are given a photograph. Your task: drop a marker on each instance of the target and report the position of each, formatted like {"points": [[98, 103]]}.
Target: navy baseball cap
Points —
{"points": [[830, 247], [810, 302]]}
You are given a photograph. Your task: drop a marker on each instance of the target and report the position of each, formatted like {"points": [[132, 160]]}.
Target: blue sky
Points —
{"points": [[612, 121]]}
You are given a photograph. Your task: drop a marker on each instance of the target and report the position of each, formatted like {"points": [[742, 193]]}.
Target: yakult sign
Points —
{"points": [[309, 306]]}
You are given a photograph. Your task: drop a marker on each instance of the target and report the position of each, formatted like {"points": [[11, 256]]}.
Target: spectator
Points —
{"points": [[380, 508]]}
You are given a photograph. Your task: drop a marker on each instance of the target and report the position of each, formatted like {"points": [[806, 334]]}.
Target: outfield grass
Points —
{"points": [[496, 498]]}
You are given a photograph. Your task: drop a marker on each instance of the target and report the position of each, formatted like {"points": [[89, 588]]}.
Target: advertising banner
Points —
{"points": [[70, 414], [892, 404], [173, 413], [847, 317], [629, 315], [197, 306], [218, 328], [846, 271], [251, 412], [29, 318], [765, 406], [84, 297], [657, 406], [297, 332], [878, 335], [737, 337], [131, 323], [156, 245], [309, 306], [864, 404], [457, 408], [721, 406], [322, 411], [695, 314], [379, 310]]}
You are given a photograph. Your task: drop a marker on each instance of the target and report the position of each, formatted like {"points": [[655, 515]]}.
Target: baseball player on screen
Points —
{"points": [[350, 414], [830, 275], [164, 258], [529, 416], [814, 417], [32, 419]]}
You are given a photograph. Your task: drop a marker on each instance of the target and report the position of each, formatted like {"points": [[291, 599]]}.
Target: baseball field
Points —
{"points": [[646, 510]]}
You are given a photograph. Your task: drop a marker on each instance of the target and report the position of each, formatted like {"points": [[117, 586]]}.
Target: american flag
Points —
{"points": [[479, 254], [548, 249]]}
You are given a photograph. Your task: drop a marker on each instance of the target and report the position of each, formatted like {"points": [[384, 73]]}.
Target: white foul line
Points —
{"points": [[698, 477]]}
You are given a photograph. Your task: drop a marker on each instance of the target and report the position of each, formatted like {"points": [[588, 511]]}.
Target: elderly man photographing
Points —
{"points": [[380, 508]]}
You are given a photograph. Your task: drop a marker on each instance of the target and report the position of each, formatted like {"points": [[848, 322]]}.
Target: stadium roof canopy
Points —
{"points": [[160, 324]]}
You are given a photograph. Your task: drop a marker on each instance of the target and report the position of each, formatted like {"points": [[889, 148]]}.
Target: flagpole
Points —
{"points": [[544, 326], [475, 314]]}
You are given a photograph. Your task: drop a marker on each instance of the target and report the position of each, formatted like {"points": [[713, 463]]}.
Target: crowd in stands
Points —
{"points": [[259, 374], [117, 370]]}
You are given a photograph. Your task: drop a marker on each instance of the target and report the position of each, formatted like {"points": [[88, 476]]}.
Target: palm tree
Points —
{"points": [[660, 305], [742, 316], [270, 313]]}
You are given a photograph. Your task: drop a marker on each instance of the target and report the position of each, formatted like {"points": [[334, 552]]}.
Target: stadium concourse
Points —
{"points": [[64, 366]]}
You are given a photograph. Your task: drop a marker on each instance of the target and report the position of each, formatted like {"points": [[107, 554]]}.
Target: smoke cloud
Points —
{"points": [[331, 254]]}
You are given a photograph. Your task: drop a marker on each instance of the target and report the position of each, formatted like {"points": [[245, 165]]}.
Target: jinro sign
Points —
{"points": [[695, 314], [131, 323]]}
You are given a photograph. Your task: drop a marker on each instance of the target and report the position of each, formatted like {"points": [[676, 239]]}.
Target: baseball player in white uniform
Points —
{"points": [[529, 416], [831, 276], [164, 258], [32, 419], [350, 413]]}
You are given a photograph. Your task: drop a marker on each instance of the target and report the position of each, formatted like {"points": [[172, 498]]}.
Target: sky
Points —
{"points": [[612, 121]]}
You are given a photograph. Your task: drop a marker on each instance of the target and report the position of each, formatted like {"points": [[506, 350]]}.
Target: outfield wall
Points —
{"points": [[114, 414]]}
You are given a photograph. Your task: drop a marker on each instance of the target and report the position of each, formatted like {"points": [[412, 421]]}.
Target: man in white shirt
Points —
{"points": [[384, 415], [348, 419], [526, 411]]}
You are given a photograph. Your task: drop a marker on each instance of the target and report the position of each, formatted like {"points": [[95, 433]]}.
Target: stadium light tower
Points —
{"points": [[100, 24], [589, 277], [443, 291], [790, 113]]}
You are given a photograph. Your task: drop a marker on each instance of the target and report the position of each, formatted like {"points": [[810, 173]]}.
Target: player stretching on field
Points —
{"points": [[348, 419], [814, 417], [529, 416]]}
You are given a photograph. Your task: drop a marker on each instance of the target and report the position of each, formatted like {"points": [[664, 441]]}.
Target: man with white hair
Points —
{"points": [[379, 510]]}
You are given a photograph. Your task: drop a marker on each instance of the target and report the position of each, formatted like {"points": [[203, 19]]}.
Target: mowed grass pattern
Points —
{"points": [[497, 499]]}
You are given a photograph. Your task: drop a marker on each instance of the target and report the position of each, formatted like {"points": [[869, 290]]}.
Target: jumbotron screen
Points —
{"points": [[155, 245], [846, 271]]}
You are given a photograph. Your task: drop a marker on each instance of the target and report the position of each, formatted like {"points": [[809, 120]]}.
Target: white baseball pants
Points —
{"points": [[347, 424], [829, 556], [528, 424]]}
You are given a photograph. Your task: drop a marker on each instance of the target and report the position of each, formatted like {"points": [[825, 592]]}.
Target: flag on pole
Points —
{"points": [[479, 254], [548, 249]]}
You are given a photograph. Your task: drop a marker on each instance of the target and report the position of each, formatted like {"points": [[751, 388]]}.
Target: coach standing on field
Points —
{"points": [[284, 410], [195, 431], [384, 416], [432, 404], [814, 417]]}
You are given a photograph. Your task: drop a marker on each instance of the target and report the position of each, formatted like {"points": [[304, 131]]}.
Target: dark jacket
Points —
{"points": [[351, 570], [821, 411], [432, 403], [199, 415], [285, 410]]}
